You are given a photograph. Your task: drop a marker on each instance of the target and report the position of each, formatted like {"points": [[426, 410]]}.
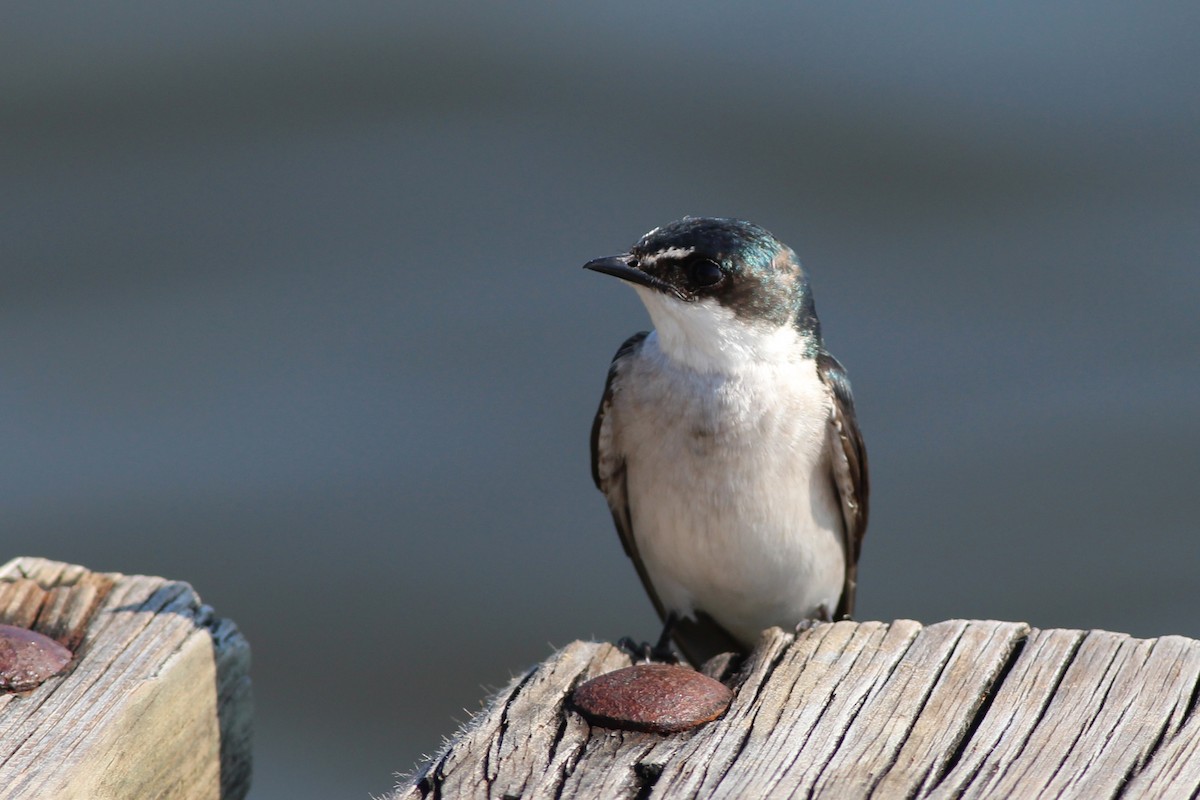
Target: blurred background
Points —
{"points": [[292, 310]]}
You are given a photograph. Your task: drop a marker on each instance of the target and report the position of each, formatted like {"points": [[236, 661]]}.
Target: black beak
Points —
{"points": [[620, 267]]}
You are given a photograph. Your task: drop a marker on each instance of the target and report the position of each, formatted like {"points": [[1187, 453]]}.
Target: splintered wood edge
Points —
{"points": [[959, 709], [157, 702]]}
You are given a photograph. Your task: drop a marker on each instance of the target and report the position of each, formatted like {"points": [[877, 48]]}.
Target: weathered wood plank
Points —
{"points": [[955, 710], [156, 704], [816, 693], [980, 655], [1174, 769], [882, 725], [1019, 703]]}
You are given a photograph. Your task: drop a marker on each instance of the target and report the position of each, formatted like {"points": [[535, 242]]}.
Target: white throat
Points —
{"points": [[705, 336]]}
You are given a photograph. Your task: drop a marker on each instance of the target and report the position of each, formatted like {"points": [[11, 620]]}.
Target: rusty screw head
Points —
{"points": [[27, 658], [658, 698]]}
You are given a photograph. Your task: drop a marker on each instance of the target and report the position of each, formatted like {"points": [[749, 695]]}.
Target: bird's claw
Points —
{"points": [[822, 616], [644, 652]]}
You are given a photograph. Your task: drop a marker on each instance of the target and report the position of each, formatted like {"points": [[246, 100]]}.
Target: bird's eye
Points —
{"points": [[704, 272]]}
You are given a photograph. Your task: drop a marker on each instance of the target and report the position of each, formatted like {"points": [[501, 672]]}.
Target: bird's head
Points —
{"points": [[720, 292]]}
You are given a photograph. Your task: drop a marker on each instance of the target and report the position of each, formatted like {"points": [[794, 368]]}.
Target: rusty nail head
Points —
{"points": [[658, 698], [27, 658]]}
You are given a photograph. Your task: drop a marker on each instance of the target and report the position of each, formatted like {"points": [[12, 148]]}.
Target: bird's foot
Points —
{"points": [[823, 615], [645, 652]]}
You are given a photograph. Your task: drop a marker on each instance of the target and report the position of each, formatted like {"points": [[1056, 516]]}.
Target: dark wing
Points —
{"points": [[849, 472], [699, 638], [608, 465]]}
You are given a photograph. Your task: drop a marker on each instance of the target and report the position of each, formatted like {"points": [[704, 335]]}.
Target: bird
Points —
{"points": [[726, 442]]}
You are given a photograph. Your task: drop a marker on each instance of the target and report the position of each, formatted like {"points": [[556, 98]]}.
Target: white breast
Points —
{"points": [[726, 449]]}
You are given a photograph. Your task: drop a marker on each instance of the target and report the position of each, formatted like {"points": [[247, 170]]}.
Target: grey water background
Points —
{"points": [[292, 310]]}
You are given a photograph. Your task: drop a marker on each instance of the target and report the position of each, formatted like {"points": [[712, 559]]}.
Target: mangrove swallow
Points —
{"points": [[726, 442]]}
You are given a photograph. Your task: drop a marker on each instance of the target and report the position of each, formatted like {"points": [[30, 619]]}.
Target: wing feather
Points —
{"points": [[849, 464], [608, 463]]}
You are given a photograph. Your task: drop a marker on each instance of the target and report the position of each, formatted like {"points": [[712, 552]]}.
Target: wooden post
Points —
{"points": [[156, 702], [964, 709]]}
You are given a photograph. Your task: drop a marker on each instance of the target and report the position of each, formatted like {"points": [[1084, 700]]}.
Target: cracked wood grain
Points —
{"points": [[960, 709], [156, 703]]}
